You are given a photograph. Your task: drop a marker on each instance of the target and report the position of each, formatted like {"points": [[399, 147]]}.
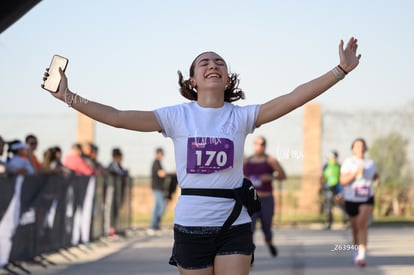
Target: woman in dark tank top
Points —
{"points": [[262, 169]]}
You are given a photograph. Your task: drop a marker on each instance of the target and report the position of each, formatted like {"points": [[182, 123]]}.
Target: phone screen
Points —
{"points": [[52, 82]]}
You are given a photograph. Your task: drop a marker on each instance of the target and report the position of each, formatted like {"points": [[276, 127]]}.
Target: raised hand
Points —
{"points": [[348, 57]]}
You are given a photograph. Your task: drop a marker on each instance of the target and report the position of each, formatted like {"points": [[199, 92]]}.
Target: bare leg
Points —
{"points": [[354, 228], [365, 211], [204, 271], [232, 264]]}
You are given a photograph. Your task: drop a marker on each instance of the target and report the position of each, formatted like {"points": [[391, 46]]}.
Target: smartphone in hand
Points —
{"points": [[52, 82]]}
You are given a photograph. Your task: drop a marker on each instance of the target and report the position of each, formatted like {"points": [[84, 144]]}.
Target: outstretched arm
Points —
{"points": [[282, 105], [144, 121]]}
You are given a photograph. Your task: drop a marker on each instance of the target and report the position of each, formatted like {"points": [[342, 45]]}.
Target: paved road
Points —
{"points": [[301, 251]]}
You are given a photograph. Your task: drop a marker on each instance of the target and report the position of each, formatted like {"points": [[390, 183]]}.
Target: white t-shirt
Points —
{"points": [[360, 189], [209, 146]]}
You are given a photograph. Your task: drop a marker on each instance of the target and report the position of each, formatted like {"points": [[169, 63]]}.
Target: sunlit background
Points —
{"points": [[127, 53]]}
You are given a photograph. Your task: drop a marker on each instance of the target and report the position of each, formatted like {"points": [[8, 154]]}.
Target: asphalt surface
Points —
{"points": [[301, 251]]}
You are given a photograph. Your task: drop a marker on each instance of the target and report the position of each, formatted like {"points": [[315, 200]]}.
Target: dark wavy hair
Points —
{"points": [[231, 93], [364, 144]]}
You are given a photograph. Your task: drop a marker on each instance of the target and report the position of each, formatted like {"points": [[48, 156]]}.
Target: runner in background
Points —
{"points": [[262, 169]]}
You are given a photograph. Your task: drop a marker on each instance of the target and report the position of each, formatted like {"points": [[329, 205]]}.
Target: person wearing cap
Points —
{"points": [[18, 163], [330, 178]]}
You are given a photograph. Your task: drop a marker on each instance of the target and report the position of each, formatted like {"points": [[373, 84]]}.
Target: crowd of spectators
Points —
{"points": [[19, 157]]}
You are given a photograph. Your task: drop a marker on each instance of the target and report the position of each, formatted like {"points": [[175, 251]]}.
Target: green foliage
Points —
{"points": [[390, 156]]}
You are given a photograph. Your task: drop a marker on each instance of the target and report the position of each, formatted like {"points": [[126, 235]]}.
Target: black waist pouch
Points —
{"points": [[245, 195], [248, 195]]}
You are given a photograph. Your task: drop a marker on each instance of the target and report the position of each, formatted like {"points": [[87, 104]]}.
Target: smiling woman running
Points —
{"points": [[209, 133]]}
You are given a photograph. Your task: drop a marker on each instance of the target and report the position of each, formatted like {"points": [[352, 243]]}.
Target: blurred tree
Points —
{"points": [[390, 156]]}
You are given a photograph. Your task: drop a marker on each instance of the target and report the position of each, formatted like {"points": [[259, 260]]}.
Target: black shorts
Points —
{"points": [[352, 208], [196, 247]]}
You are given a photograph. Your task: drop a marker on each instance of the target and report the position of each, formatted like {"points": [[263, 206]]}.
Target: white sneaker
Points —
{"points": [[150, 232], [360, 260], [354, 257]]}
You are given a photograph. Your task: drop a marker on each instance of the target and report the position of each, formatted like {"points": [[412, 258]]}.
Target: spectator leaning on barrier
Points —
{"points": [[32, 142], [115, 167], [89, 155], [86, 153], [18, 163], [97, 165], [76, 163], [52, 161], [57, 153]]}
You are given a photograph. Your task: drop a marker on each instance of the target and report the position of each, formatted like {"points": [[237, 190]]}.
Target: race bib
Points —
{"points": [[207, 155], [362, 192]]}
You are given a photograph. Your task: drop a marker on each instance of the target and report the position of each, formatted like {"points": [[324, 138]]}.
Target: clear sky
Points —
{"points": [[127, 53]]}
